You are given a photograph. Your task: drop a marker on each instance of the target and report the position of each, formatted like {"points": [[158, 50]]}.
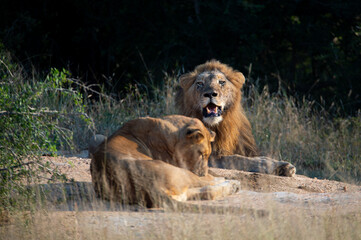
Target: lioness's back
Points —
{"points": [[120, 172]]}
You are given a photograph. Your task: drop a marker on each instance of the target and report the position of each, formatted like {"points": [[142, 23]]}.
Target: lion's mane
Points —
{"points": [[234, 133]]}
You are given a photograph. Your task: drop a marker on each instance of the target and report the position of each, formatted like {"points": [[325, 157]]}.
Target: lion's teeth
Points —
{"points": [[208, 111]]}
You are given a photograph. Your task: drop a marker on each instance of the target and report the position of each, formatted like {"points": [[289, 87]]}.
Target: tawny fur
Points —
{"points": [[234, 133], [152, 161]]}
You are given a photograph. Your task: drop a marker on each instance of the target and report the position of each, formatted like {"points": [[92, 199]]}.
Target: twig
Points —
{"points": [[28, 113], [43, 112], [11, 74], [145, 66], [89, 88], [16, 166]]}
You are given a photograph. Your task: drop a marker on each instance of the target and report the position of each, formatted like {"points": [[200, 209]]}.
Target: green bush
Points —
{"points": [[33, 114]]}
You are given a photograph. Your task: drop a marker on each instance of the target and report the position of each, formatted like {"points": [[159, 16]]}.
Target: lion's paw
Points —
{"points": [[233, 186], [226, 188], [218, 180], [286, 169]]}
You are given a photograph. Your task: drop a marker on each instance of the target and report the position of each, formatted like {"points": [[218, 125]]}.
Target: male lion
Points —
{"points": [[212, 93], [153, 161]]}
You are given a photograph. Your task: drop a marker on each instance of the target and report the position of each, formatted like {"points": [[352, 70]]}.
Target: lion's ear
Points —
{"points": [[195, 135], [186, 80], [241, 79], [236, 78]]}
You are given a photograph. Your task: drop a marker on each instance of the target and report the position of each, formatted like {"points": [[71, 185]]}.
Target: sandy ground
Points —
{"points": [[77, 167], [75, 208], [257, 190]]}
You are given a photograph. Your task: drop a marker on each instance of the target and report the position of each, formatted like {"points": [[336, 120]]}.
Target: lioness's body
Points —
{"points": [[150, 160], [212, 93]]}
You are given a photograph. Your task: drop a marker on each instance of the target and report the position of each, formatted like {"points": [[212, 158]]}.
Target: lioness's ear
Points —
{"points": [[195, 135], [213, 135]]}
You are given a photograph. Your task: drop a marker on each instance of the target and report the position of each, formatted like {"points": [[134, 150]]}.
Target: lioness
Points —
{"points": [[151, 161], [212, 93]]}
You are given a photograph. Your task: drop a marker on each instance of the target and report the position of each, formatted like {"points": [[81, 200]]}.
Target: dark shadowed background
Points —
{"points": [[313, 48]]}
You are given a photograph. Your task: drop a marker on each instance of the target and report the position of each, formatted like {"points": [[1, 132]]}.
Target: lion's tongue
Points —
{"points": [[212, 109]]}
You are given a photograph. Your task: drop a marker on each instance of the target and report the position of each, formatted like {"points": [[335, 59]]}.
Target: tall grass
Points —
{"points": [[295, 130], [110, 113], [298, 131]]}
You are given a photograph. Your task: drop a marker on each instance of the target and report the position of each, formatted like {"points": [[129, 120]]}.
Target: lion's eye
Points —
{"points": [[199, 84], [222, 83]]}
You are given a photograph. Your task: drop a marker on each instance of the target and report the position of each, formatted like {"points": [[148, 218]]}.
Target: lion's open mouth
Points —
{"points": [[212, 110]]}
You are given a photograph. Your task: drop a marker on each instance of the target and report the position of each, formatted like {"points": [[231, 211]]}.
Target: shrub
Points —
{"points": [[33, 114]]}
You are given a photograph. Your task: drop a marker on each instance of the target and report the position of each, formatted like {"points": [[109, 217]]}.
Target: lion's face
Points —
{"points": [[215, 95], [210, 91], [194, 148]]}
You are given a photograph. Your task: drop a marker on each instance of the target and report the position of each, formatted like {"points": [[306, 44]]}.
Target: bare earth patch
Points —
{"points": [[266, 206], [257, 190]]}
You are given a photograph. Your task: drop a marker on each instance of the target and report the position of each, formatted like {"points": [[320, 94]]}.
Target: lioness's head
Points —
{"points": [[194, 147], [210, 91]]}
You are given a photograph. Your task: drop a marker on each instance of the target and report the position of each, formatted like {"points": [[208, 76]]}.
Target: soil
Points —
{"points": [[74, 207], [257, 190]]}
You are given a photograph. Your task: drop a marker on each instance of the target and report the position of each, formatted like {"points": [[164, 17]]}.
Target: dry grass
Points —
{"points": [[279, 224], [299, 131], [317, 143]]}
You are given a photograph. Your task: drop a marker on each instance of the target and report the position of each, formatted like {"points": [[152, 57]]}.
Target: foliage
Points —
{"points": [[311, 47], [32, 114]]}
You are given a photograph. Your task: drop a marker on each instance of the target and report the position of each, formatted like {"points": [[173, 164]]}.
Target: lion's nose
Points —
{"points": [[211, 94]]}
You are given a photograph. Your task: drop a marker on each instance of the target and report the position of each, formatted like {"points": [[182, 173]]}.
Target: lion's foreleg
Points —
{"points": [[217, 188], [255, 164]]}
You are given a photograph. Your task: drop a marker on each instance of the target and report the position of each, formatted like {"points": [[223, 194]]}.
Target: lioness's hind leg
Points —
{"points": [[211, 192]]}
